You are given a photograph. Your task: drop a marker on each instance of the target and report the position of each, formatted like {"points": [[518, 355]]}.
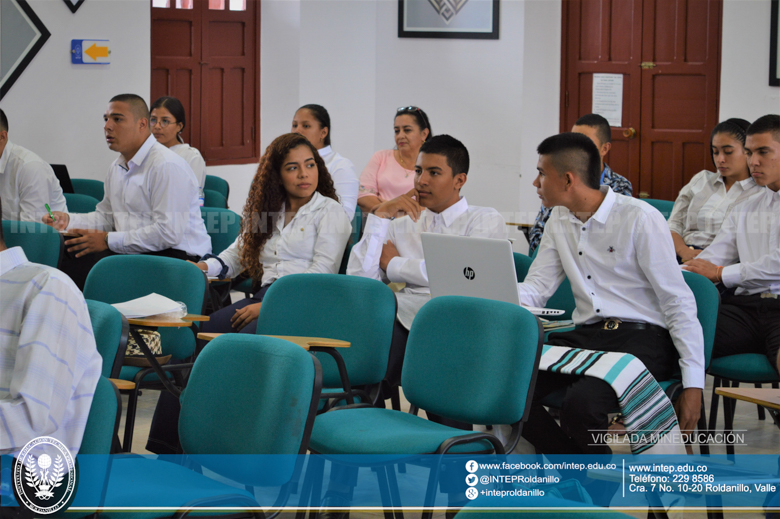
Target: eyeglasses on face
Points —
{"points": [[163, 122]]}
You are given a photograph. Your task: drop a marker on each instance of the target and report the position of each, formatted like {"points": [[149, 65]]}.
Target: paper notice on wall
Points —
{"points": [[608, 97]]}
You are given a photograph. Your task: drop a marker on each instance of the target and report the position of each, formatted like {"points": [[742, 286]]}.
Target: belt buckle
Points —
{"points": [[769, 295], [612, 324]]}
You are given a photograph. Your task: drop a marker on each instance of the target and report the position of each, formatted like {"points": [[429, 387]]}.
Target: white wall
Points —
{"points": [[744, 79], [499, 97], [56, 108]]}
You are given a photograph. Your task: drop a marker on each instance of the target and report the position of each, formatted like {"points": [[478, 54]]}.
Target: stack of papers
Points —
{"points": [[146, 306]]}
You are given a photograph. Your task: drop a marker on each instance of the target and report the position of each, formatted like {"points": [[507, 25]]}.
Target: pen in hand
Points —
{"points": [[48, 209]]}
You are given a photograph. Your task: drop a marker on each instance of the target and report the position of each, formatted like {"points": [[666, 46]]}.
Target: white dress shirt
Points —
{"points": [[460, 219], [702, 205], [345, 180], [621, 264], [194, 159], [27, 184], [313, 242], [151, 204], [49, 365], [748, 245]]}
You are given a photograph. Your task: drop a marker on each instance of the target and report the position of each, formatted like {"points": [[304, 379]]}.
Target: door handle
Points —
{"points": [[629, 133]]}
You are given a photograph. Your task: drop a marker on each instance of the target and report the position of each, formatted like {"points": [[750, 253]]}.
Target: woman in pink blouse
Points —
{"points": [[390, 173]]}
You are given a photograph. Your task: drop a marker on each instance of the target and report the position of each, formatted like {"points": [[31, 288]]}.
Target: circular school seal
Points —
{"points": [[44, 475]]}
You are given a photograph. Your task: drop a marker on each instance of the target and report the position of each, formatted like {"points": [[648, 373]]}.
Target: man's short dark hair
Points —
{"points": [[3, 121], [576, 153], [766, 124], [137, 104], [603, 131], [456, 153]]}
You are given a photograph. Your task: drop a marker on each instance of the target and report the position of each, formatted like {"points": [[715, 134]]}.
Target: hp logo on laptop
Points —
{"points": [[469, 273]]}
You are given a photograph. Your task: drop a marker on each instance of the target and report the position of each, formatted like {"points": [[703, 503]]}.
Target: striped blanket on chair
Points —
{"points": [[647, 413]]}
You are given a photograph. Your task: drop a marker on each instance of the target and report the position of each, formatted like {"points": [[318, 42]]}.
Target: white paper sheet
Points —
{"points": [[152, 304], [608, 97]]}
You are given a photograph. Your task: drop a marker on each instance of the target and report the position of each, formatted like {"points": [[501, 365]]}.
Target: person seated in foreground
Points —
{"points": [[391, 247], [745, 256], [150, 204], [27, 182], [50, 364], [704, 202], [292, 223], [597, 128], [630, 295]]}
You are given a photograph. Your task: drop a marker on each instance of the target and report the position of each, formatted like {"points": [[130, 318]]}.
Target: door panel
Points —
{"points": [[601, 36], [673, 104]]}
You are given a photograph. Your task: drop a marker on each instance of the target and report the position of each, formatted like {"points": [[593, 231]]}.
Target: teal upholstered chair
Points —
{"points": [[103, 420], [664, 206], [40, 243], [110, 329], [89, 187], [222, 226], [357, 225], [467, 359], [349, 308], [78, 203], [214, 199], [247, 394], [220, 185], [562, 299], [117, 279]]}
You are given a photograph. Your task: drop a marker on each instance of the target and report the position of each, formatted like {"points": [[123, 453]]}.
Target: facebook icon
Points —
{"points": [[471, 466]]}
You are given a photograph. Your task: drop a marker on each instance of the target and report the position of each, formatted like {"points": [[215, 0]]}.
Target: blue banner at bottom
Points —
{"points": [[162, 484]]}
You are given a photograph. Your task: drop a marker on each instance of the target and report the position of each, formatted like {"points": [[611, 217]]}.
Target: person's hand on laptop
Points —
{"points": [[403, 205], [388, 252]]}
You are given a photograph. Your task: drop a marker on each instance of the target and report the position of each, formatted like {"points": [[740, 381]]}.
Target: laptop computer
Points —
{"points": [[473, 267]]}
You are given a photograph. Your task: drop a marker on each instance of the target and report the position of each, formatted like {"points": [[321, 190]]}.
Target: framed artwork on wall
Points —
{"points": [[774, 45], [22, 34], [462, 19], [73, 5]]}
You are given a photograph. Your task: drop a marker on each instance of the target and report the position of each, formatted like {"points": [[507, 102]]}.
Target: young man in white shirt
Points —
{"points": [[27, 182], [631, 297], [391, 247], [745, 255], [151, 201]]}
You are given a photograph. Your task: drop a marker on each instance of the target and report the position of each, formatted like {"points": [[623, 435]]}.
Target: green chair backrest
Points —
{"points": [[562, 299], [349, 308], [213, 198], [78, 203], [110, 329], [89, 187], [222, 226], [472, 359], [120, 278], [357, 225], [708, 306], [103, 419], [665, 206], [40, 243], [220, 185]]}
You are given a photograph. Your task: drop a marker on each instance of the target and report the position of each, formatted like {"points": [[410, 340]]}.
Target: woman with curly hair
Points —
{"points": [[292, 223]]}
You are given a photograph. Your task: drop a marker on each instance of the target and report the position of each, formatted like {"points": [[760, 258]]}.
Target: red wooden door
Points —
{"points": [[669, 54], [603, 36], [206, 53]]}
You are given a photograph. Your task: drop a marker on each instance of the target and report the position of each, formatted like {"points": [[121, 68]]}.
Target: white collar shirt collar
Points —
{"points": [[621, 264]]}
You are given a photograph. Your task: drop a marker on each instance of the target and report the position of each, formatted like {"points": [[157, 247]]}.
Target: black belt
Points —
{"points": [[617, 324]]}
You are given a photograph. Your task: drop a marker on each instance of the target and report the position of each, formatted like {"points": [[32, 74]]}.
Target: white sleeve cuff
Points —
{"points": [[214, 267], [731, 275], [394, 267], [115, 241]]}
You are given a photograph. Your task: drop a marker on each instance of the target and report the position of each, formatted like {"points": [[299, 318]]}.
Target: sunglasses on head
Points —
{"points": [[406, 109]]}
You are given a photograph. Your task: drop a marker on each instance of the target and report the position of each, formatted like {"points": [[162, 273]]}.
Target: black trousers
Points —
{"points": [[748, 324], [588, 401], [78, 268], [219, 321]]}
